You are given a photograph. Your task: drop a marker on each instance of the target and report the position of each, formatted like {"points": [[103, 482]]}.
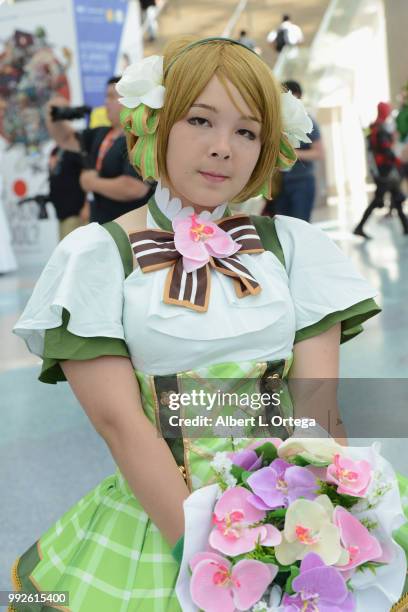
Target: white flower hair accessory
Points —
{"points": [[141, 83], [296, 122]]}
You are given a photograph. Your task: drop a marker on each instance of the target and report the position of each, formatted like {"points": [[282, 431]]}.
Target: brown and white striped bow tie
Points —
{"points": [[155, 249]]}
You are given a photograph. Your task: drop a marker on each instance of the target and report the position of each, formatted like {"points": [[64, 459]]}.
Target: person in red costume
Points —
{"points": [[384, 166]]}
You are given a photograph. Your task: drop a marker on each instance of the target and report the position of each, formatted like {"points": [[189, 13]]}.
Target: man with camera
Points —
{"points": [[107, 173]]}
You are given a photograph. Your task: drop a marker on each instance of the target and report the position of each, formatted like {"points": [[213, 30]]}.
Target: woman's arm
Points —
{"points": [[107, 390], [313, 381]]}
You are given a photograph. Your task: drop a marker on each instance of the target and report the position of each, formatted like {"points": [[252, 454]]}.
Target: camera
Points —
{"points": [[69, 113]]}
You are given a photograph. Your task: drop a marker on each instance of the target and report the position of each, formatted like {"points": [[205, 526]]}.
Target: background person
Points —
{"points": [[66, 193], [115, 185], [244, 39], [288, 33], [298, 186], [149, 15], [385, 169]]}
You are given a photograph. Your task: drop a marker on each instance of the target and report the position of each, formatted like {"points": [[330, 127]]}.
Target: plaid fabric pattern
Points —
{"points": [[105, 551]]}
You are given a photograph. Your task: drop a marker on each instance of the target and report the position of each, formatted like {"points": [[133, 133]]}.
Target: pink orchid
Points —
{"points": [[356, 539], [351, 477], [236, 530], [197, 239], [217, 586]]}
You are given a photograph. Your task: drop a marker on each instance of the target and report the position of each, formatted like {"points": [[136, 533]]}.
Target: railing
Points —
{"points": [[230, 27]]}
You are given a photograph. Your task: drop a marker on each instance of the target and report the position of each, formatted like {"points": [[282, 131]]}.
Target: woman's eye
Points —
{"points": [[197, 121], [248, 134]]}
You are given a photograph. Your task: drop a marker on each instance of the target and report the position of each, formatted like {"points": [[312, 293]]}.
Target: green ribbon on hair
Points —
{"points": [[287, 155], [286, 159], [142, 122]]}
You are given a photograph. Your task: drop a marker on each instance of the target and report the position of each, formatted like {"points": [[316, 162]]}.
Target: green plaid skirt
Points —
{"points": [[105, 551]]}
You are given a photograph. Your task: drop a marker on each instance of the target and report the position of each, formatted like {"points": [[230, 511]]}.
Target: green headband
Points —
{"points": [[204, 41]]}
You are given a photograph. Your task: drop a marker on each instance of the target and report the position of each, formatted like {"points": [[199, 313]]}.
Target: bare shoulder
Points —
{"points": [[133, 221]]}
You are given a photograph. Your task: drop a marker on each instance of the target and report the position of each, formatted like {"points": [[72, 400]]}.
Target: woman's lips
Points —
{"points": [[213, 178]]}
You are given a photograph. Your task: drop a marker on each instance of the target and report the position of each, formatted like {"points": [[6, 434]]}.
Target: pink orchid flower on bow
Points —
{"points": [[356, 539], [236, 530], [217, 586], [197, 239], [351, 477]]}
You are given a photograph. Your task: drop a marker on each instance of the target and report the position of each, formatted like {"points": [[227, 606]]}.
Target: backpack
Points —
{"points": [[281, 39]]}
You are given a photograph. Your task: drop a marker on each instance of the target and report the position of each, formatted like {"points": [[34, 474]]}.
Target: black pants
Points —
{"points": [[386, 185]]}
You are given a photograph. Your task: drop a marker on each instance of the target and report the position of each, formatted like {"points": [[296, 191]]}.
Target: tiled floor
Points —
{"points": [[49, 454]]}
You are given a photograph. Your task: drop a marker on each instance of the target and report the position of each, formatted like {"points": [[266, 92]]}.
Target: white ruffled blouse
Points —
{"points": [[85, 276]]}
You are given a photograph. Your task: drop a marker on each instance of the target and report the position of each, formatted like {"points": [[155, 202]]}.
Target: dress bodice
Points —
{"points": [[316, 287]]}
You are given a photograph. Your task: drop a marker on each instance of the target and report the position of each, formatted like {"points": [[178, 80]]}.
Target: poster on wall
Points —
{"points": [[99, 27], [38, 59], [48, 47]]}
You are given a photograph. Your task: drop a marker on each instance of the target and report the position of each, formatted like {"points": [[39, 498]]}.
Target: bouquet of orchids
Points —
{"points": [[301, 525]]}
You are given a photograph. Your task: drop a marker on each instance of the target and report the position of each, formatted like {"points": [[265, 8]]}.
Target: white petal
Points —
{"points": [[130, 102], [138, 88], [143, 80], [185, 212], [155, 97], [173, 207], [161, 196]]}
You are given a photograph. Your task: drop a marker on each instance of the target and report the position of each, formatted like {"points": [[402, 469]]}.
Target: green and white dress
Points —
{"points": [[89, 301]]}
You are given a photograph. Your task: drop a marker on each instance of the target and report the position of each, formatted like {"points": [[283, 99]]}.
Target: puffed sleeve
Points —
{"points": [[326, 288], [75, 310]]}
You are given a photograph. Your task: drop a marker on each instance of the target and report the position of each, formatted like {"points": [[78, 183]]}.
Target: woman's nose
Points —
{"points": [[220, 147]]}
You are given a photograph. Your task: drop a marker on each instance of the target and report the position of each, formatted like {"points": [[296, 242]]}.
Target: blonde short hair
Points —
{"points": [[188, 67]]}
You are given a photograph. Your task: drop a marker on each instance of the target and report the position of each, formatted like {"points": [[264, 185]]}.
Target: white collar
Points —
{"points": [[172, 207]]}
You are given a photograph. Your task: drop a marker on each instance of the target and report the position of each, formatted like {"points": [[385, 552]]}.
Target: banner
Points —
{"points": [[38, 59], [99, 26], [48, 47]]}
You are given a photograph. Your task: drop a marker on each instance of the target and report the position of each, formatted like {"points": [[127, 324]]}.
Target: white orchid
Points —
{"points": [[296, 122], [141, 83], [315, 450]]}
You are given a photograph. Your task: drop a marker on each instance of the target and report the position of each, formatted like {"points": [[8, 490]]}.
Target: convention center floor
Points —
{"points": [[49, 454]]}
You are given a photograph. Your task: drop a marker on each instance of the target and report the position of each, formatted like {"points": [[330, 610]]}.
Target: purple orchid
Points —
{"points": [[280, 484], [318, 587], [246, 459]]}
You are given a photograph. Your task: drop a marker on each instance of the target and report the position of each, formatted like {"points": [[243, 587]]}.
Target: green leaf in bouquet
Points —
{"points": [[294, 571], [276, 517], [302, 462], [298, 460], [369, 565], [337, 499], [368, 523], [268, 452], [240, 474], [266, 554], [245, 476], [277, 513]]}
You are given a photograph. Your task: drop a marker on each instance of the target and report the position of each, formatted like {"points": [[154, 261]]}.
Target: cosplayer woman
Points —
{"points": [[206, 294]]}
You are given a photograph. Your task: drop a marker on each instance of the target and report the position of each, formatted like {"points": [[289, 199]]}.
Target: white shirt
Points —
{"points": [[294, 33], [85, 276]]}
